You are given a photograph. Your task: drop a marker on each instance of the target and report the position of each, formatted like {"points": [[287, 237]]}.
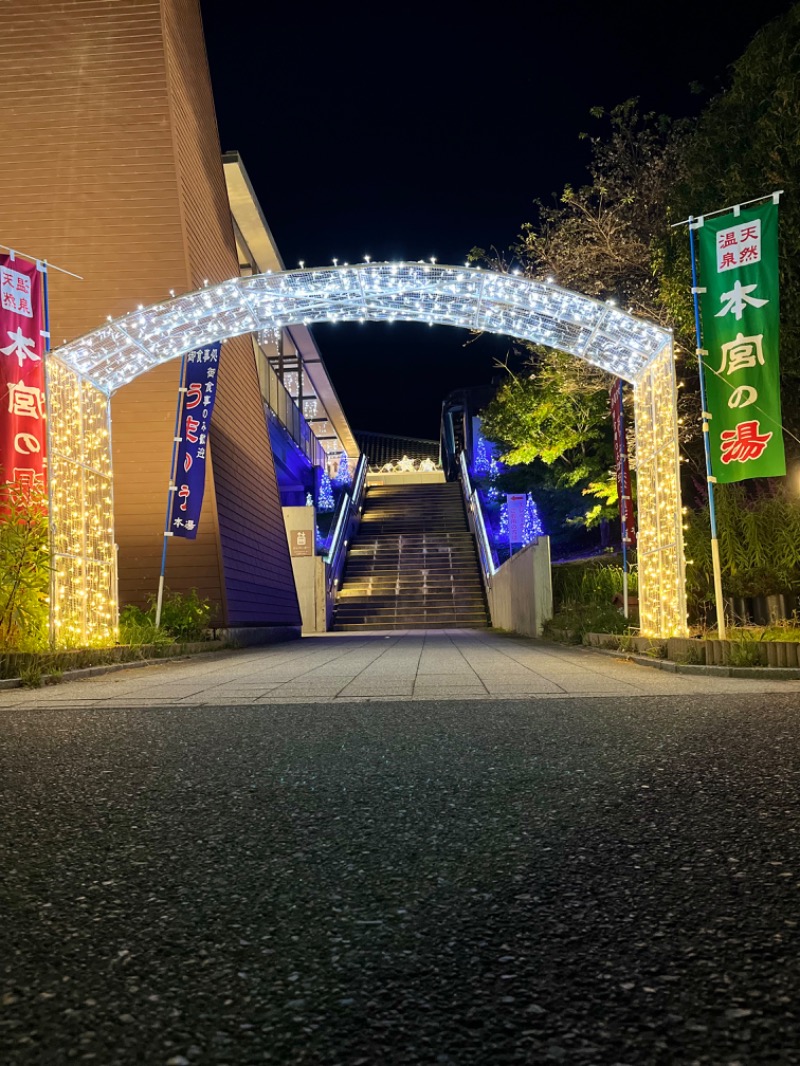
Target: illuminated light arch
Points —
{"points": [[631, 348]]}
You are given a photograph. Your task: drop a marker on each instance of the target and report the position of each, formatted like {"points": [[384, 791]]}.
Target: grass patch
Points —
{"points": [[577, 619]]}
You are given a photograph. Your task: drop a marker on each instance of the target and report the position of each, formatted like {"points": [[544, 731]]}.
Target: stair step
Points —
{"points": [[368, 627], [413, 563], [396, 603], [365, 610], [378, 616], [454, 622], [388, 583]]}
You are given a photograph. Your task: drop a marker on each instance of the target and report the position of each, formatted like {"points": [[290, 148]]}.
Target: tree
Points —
{"points": [[599, 240], [532, 525], [611, 239], [746, 143], [556, 415], [482, 458], [325, 501], [343, 470]]}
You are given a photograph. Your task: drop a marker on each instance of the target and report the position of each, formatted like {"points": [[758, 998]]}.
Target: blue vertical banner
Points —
{"points": [[200, 384]]}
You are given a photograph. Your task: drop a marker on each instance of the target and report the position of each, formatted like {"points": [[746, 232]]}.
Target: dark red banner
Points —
{"points": [[23, 434], [626, 512]]}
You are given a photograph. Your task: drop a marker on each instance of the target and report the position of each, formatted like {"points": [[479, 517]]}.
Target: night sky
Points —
{"points": [[417, 130]]}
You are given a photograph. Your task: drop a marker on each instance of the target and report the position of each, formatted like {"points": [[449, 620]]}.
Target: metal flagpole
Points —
{"points": [[48, 468], [623, 505], [710, 479], [735, 208], [33, 259], [172, 487]]}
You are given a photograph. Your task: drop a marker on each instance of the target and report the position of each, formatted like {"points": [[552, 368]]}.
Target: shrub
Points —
{"points": [[137, 627], [759, 543], [24, 568], [183, 619], [745, 651], [589, 583], [577, 619]]}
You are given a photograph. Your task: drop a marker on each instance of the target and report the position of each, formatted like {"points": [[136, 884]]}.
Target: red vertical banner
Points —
{"points": [[626, 513], [23, 432]]}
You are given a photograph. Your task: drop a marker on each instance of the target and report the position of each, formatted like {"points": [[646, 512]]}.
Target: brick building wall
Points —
{"points": [[108, 125]]}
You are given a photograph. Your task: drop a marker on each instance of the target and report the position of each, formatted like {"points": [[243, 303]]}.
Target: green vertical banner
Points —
{"points": [[741, 323]]}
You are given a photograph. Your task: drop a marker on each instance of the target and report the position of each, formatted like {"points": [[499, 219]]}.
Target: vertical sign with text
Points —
{"points": [[23, 430], [200, 382], [740, 307], [516, 516]]}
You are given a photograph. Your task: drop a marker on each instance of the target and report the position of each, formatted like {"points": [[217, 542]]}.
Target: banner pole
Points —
{"points": [[171, 489], [51, 531], [715, 559]]}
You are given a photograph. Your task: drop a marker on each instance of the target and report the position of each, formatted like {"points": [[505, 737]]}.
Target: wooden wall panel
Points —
{"points": [[119, 141], [257, 568]]}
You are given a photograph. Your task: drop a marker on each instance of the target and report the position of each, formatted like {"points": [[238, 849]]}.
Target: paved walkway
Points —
{"points": [[412, 664]]}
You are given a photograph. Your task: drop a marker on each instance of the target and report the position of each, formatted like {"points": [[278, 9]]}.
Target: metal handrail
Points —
{"points": [[285, 409], [349, 508], [475, 511]]}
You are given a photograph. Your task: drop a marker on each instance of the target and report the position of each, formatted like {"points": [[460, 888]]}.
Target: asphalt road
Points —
{"points": [[602, 880]]}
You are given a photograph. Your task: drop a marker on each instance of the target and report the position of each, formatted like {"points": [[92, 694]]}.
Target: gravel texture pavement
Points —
{"points": [[604, 880]]}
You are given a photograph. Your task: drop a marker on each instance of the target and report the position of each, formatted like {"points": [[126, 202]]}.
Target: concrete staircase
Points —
{"points": [[413, 563]]}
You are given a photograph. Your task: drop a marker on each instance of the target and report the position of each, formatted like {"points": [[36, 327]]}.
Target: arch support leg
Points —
{"points": [[662, 576]]}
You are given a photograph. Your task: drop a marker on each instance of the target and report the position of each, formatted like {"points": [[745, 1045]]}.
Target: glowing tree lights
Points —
{"points": [[630, 348], [325, 500], [532, 524], [482, 458], [343, 475], [494, 471], [502, 525], [531, 528]]}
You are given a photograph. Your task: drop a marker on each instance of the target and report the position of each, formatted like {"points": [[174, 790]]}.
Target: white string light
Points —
{"points": [[465, 297]]}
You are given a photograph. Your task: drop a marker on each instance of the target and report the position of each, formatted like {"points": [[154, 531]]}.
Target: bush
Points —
{"points": [[745, 651], [183, 619], [589, 583], [24, 568], [577, 620], [138, 627], [583, 600], [759, 544]]}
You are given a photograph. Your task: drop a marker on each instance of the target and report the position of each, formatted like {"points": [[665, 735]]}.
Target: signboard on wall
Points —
{"points": [[200, 382], [23, 417], [301, 542]]}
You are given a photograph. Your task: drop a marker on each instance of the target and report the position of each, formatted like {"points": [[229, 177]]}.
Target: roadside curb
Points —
{"points": [[86, 672], [758, 673]]}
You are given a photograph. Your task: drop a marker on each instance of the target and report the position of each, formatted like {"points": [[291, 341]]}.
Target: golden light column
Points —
{"points": [[84, 583], [662, 579]]}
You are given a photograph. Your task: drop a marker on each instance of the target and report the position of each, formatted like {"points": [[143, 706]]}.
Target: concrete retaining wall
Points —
{"points": [[310, 579], [521, 593]]}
